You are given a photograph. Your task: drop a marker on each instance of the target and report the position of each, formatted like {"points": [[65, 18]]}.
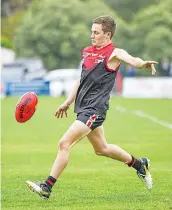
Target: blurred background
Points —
{"points": [[41, 43]]}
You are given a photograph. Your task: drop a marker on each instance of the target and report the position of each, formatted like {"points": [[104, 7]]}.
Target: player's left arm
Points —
{"points": [[123, 55]]}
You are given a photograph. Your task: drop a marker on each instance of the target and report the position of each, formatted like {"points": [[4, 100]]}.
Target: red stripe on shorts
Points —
{"points": [[91, 120]]}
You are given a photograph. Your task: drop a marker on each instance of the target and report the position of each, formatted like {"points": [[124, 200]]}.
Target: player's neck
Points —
{"points": [[103, 45]]}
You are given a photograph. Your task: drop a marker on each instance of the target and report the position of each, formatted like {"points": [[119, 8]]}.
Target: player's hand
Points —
{"points": [[149, 65], [62, 110]]}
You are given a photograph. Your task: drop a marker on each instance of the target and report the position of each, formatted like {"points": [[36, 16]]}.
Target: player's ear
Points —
{"points": [[109, 34]]}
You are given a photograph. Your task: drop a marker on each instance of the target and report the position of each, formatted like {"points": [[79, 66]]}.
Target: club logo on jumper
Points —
{"points": [[23, 106], [100, 58], [97, 58], [85, 55], [99, 61]]}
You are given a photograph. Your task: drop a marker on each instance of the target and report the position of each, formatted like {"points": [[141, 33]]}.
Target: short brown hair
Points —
{"points": [[107, 22]]}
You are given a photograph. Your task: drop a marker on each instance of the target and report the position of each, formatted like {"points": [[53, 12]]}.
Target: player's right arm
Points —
{"points": [[123, 55], [73, 93], [62, 109]]}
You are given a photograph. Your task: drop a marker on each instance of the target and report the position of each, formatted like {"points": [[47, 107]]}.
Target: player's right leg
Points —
{"points": [[101, 147], [76, 131]]}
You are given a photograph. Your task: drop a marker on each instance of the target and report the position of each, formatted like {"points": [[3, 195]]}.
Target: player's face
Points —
{"points": [[98, 37]]}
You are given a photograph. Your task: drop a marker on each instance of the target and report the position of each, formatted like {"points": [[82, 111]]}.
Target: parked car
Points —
{"points": [[24, 69], [62, 81]]}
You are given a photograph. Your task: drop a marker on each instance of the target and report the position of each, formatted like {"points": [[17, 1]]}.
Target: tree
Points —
{"points": [[126, 9], [58, 31], [9, 24], [9, 7], [12, 12], [152, 31]]}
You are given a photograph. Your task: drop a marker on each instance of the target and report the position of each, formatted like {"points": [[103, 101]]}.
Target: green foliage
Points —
{"points": [[9, 24], [58, 32], [159, 45], [152, 33], [5, 42], [10, 7], [149, 29], [127, 9]]}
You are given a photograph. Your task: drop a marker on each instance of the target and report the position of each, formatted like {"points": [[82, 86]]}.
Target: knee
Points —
{"points": [[63, 145], [101, 151]]}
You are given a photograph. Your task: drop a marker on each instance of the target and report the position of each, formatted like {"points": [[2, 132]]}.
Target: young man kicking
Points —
{"points": [[91, 94]]}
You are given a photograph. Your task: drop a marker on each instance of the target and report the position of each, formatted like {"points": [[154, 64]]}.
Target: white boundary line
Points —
{"points": [[121, 109], [142, 114]]}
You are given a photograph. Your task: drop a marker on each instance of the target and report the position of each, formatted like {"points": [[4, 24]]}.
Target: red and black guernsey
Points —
{"points": [[97, 81]]}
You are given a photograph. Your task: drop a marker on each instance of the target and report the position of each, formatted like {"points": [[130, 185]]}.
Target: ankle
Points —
{"points": [[50, 181], [135, 163]]}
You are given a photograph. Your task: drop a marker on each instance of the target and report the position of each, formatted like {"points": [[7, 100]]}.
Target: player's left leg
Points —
{"points": [[76, 132], [101, 147]]}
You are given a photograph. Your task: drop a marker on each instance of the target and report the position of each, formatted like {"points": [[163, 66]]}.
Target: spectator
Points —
{"points": [[170, 71], [130, 71], [165, 67]]}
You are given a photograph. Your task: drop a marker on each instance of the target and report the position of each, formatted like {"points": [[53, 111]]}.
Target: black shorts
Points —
{"points": [[91, 120]]}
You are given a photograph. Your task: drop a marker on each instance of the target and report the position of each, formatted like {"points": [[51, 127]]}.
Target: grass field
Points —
{"points": [[89, 182]]}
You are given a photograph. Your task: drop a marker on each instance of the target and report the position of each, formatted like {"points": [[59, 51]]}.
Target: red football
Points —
{"points": [[26, 107]]}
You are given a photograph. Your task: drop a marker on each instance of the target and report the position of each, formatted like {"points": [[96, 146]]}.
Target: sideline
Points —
{"points": [[142, 114]]}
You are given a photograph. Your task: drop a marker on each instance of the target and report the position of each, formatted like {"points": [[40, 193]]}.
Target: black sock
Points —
{"points": [[50, 181], [135, 163]]}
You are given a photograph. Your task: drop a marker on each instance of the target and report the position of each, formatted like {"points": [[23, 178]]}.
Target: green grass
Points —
{"points": [[89, 182]]}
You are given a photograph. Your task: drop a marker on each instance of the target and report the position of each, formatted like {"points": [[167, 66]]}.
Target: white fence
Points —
{"points": [[147, 87]]}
